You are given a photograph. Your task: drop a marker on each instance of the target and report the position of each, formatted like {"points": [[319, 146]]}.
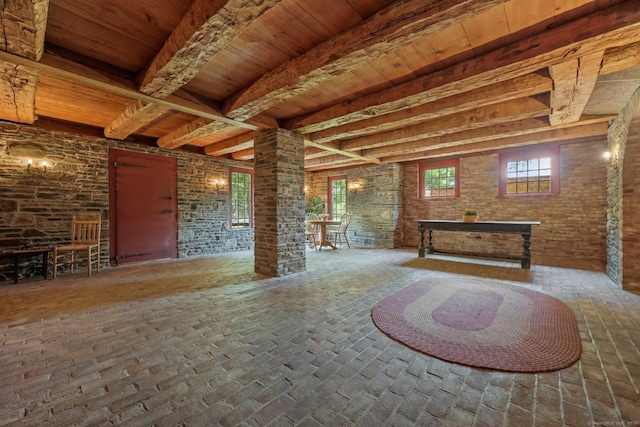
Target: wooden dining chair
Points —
{"points": [[85, 239], [335, 233], [311, 231]]}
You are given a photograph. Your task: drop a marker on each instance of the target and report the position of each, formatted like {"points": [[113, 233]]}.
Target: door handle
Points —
{"points": [[164, 211]]}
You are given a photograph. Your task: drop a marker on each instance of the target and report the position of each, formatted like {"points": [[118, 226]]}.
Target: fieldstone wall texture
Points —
{"points": [[279, 202], [622, 246], [631, 209], [36, 205], [589, 225], [376, 209], [573, 223], [627, 273]]}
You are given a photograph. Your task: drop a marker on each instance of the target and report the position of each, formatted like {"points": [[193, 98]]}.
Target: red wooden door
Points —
{"points": [[144, 207]]}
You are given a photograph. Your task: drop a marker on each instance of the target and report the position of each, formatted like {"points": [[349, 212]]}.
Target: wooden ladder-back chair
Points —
{"points": [[85, 238], [311, 231], [336, 232]]}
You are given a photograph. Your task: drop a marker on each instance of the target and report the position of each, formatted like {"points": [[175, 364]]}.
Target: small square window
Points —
{"points": [[530, 172], [439, 179]]}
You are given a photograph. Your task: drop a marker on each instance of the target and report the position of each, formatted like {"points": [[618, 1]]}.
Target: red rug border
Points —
{"points": [[512, 360]]}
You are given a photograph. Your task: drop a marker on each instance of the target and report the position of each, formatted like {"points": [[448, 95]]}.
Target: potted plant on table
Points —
{"points": [[314, 205], [470, 215]]}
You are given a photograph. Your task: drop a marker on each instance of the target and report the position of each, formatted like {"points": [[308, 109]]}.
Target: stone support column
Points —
{"points": [[279, 202]]}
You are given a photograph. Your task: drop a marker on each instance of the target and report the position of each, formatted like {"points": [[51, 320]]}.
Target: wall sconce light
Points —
{"points": [[355, 186], [30, 165], [607, 155], [219, 183]]}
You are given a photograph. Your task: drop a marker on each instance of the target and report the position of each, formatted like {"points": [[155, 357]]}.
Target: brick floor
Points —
{"points": [[206, 342]]}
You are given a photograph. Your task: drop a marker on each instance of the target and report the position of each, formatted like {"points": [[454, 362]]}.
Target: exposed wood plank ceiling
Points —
{"points": [[365, 81]]}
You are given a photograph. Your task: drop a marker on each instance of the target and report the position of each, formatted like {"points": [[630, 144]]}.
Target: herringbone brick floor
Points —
{"points": [[207, 342]]}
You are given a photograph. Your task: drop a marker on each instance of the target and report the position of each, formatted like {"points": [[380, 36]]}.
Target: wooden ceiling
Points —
{"points": [[365, 81]]}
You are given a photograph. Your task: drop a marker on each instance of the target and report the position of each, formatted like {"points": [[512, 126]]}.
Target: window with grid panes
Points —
{"points": [[338, 200], [439, 179], [530, 172], [241, 198]]}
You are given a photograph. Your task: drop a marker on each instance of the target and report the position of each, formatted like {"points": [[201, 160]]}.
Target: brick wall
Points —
{"points": [[36, 206], [573, 229]]}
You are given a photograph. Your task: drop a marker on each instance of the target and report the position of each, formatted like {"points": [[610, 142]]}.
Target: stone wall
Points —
{"points": [[279, 202], [573, 223], [36, 205], [617, 143], [631, 209], [580, 228], [376, 209]]}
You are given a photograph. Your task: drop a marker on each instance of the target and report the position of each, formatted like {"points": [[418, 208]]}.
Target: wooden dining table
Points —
{"points": [[323, 231]]}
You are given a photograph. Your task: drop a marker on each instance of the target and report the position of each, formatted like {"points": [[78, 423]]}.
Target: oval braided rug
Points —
{"points": [[482, 324]]}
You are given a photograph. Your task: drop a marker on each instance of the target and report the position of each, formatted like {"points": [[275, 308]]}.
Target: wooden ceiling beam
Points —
{"points": [[520, 87], [546, 136], [201, 128], [206, 29], [198, 128], [507, 135], [330, 166], [393, 27], [517, 109], [90, 79], [620, 58], [231, 145], [134, 116], [573, 83], [332, 160], [489, 133], [314, 153], [18, 93], [615, 26], [245, 142], [246, 154], [22, 25], [352, 155]]}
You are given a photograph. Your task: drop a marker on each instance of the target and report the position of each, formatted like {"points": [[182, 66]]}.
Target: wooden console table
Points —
{"points": [[522, 228], [17, 253]]}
